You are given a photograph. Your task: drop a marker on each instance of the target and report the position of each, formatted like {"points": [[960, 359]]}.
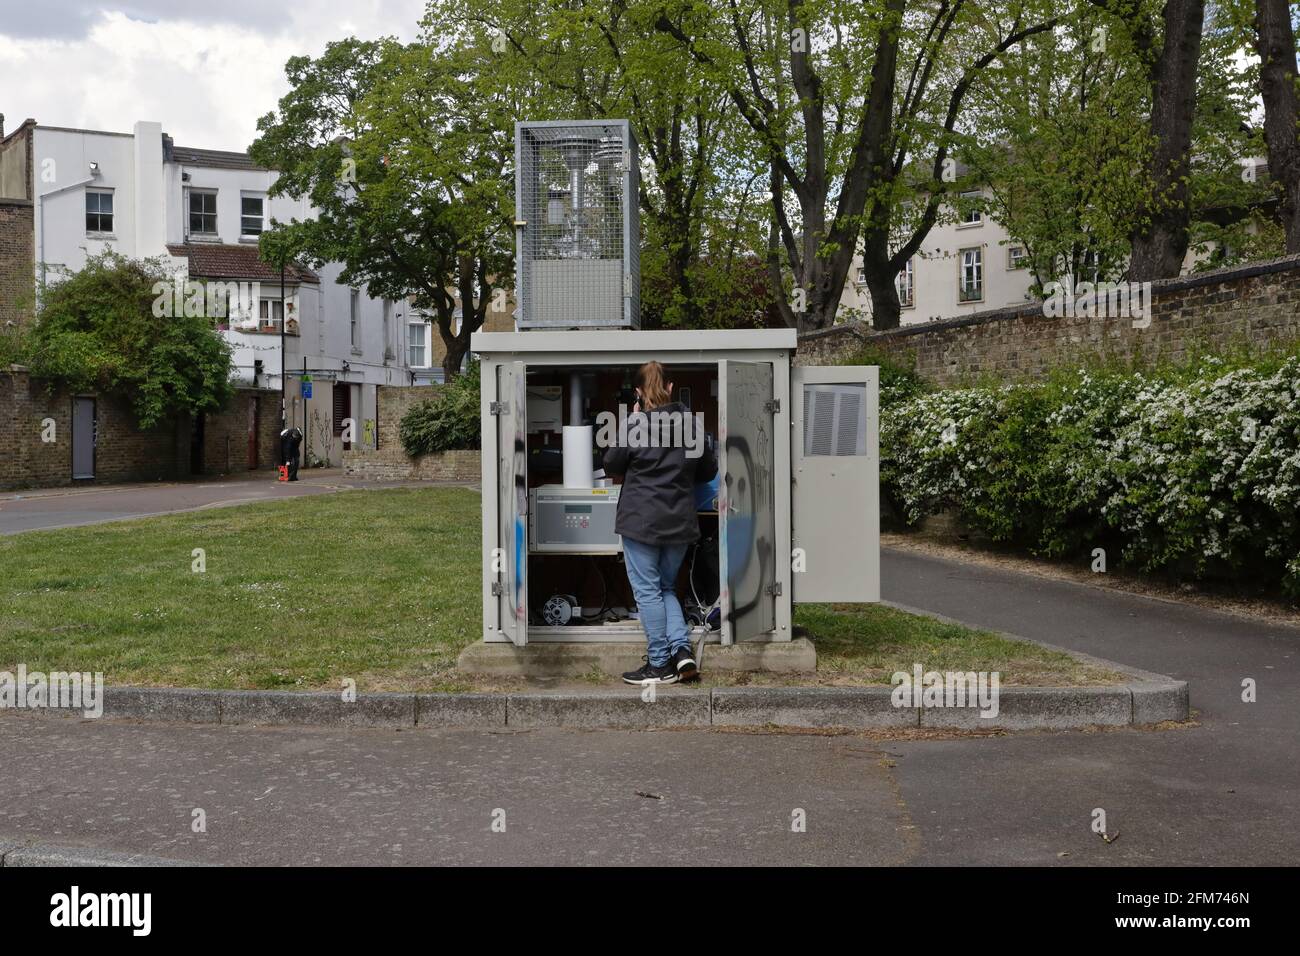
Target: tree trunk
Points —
{"points": [[886, 310], [1158, 247], [1275, 44], [455, 355]]}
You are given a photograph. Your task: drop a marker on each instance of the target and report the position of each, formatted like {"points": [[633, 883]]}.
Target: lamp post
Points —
{"points": [[284, 409]]}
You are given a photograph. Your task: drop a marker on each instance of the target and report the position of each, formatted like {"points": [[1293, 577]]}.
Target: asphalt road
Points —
{"points": [[1226, 791], [63, 508]]}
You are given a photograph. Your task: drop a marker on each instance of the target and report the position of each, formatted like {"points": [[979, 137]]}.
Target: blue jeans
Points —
{"points": [[652, 572]]}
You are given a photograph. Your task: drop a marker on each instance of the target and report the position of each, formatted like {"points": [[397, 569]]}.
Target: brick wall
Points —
{"points": [[225, 435], [17, 261], [17, 226], [390, 462], [123, 452], [385, 466], [1257, 304]]}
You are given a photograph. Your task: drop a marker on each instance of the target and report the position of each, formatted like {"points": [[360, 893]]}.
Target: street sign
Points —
{"points": [[306, 388]]}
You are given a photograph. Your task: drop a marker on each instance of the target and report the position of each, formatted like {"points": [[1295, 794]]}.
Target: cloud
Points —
{"points": [[206, 71]]}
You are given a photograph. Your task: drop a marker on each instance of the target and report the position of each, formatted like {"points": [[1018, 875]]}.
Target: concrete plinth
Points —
{"points": [[614, 658]]}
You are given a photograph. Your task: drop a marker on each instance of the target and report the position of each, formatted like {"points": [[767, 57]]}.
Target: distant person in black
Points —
{"points": [[290, 442]]}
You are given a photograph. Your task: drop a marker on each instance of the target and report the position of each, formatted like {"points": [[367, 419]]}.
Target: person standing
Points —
{"points": [[657, 521]]}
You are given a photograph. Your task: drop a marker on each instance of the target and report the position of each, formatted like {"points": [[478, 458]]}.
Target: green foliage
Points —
{"points": [[899, 381], [447, 422], [1191, 469], [15, 345], [403, 152], [96, 330]]}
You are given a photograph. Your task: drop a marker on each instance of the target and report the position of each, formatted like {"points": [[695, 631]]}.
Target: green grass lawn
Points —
{"points": [[378, 586]]}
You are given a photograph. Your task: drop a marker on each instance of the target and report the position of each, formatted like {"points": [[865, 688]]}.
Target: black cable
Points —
{"points": [[604, 598]]}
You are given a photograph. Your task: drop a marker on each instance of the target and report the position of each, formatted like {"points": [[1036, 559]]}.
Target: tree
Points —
{"points": [[404, 152], [111, 327], [1275, 42], [1172, 55], [1061, 132], [837, 150], [1066, 146]]}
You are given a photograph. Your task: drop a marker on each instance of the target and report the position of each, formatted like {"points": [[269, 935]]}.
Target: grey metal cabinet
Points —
{"points": [[798, 497]]}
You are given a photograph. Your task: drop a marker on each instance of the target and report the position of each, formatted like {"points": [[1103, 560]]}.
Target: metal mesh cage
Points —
{"points": [[577, 246]]}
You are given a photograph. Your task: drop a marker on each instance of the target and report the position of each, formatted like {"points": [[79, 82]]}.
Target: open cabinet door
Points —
{"points": [[746, 500], [508, 410], [835, 467]]}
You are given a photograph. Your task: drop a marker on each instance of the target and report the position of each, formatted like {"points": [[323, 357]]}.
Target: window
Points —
{"points": [[1091, 266], [1017, 257], [972, 275], [862, 275], [99, 210], [270, 312], [417, 339], [203, 213], [251, 215], [972, 214], [905, 283], [354, 313]]}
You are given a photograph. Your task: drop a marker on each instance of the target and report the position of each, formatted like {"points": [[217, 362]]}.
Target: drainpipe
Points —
{"points": [[283, 312]]}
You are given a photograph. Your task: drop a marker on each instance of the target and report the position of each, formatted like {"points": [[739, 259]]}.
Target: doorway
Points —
{"points": [[196, 444], [253, 422], [83, 438], [342, 409]]}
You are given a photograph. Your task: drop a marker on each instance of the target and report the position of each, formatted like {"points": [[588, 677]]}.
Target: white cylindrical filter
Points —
{"points": [[578, 444]]}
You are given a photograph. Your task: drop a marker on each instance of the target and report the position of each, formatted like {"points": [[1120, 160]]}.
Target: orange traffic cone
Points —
{"points": [[284, 473]]}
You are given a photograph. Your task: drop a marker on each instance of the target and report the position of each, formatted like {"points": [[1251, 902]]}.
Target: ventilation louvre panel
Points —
{"points": [[835, 420]]}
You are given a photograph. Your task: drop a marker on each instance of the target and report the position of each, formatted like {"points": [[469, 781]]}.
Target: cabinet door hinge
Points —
{"points": [[773, 589], [773, 406], [496, 588], [498, 408]]}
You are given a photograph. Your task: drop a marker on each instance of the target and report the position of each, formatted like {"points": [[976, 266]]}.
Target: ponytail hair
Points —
{"points": [[652, 381]]}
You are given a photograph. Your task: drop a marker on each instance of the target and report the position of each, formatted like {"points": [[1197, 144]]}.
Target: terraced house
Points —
{"points": [[66, 194]]}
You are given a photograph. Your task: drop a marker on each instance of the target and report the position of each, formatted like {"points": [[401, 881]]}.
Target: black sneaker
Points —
{"points": [[684, 661], [648, 673]]}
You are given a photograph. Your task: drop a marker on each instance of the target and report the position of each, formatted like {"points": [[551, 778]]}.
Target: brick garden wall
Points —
{"points": [[225, 436], [122, 451], [390, 462], [1258, 304]]}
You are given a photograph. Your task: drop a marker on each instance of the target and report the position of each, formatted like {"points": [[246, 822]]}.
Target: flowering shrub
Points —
{"points": [[1195, 470]]}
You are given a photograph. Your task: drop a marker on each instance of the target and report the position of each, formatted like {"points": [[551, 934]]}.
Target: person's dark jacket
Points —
{"points": [[656, 504]]}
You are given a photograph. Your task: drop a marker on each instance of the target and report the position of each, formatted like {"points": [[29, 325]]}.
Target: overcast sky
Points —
{"points": [[205, 69]]}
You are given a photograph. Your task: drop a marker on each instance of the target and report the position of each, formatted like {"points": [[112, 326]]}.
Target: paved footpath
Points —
{"points": [[1224, 792], [69, 507]]}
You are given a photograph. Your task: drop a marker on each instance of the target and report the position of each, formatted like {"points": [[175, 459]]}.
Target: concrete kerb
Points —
{"points": [[1153, 698], [1020, 708]]}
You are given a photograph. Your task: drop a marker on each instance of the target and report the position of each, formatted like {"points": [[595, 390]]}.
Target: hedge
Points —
{"points": [[1193, 470]]}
